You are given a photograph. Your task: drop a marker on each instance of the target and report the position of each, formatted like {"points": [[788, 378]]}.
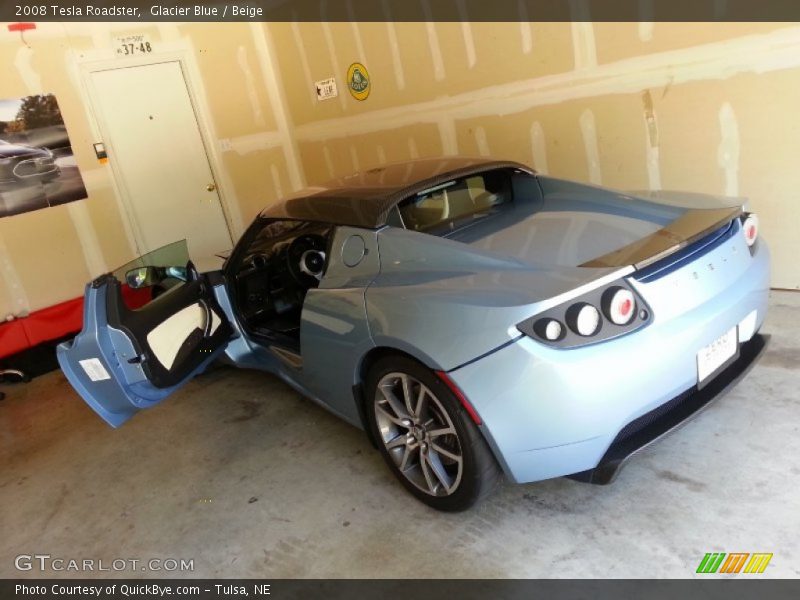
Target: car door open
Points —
{"points": [[125, 360]]}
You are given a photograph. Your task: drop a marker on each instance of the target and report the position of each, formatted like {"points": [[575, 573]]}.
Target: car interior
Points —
{"points": [[457, 203], [283, 261]]}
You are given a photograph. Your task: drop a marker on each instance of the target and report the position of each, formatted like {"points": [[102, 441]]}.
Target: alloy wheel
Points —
{"points": [[418, 434]]}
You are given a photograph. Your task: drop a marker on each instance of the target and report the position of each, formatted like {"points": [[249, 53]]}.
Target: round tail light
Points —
{"points": [[550, 329], [750, 228], [583, 319], [553, 330], [619, 304]]}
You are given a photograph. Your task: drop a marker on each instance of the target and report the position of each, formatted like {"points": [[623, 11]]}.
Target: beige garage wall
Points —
{"points": [[704, 107], [701, 107]]}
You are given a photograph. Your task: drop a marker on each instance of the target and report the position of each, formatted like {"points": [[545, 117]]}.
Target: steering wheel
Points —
{"points": [[306, 259]]}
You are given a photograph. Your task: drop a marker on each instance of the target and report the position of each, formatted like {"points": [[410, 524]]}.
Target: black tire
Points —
{"points": [[478, 473]]}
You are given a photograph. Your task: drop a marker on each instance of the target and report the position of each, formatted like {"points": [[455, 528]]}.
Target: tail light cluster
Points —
{"points": [[750, 229], [599, 315]]}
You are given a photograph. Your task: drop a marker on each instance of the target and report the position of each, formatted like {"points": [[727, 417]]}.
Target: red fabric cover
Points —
{"points": [[54, 322], [12, 338]]}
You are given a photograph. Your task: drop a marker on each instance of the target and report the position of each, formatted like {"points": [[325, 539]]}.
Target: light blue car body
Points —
{"points": [[454, 304]]}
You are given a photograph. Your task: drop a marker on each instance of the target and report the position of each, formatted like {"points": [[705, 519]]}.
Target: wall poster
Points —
{"points": [[37, 167]]}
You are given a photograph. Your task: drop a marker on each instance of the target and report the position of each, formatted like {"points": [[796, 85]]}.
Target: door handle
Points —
{"points": [[211, 187]]}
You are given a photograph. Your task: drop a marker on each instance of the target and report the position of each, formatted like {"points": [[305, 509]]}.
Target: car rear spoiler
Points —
{"points": [[693, 225]]}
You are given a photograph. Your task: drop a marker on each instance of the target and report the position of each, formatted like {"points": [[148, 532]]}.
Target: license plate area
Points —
{"points": [[716, 356]]}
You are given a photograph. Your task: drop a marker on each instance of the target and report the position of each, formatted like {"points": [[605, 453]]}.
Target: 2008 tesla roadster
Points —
{"points": [[472, 316]]}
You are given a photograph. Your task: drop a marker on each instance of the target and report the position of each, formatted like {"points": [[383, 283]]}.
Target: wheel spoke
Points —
{"points": [[396, 420], [433, 434], [406, 385], [394, 402], [445, 452], [400, 440], [406, 456], [426, 472], [420, 402], [438, 469]]}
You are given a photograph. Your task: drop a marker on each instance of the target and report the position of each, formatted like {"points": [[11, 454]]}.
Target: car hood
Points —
{"points": [[577, 225]]}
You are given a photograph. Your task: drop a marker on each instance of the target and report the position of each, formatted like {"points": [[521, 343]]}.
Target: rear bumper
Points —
{"points": [[657, 423], [548, 412]]}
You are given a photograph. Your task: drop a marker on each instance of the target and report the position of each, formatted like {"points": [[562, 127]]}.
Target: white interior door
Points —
{"points": [[151, 133]]}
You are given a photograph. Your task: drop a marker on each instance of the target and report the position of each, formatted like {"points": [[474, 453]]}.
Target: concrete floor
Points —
{"points": [[248, 479]]}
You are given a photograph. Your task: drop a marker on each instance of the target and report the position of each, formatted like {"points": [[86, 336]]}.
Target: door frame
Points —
{"points": [[88, 65]]}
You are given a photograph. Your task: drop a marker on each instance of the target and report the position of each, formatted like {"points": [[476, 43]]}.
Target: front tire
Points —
{"points": [[426, 437]]}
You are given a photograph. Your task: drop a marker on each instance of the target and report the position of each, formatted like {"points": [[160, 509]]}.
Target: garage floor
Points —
{"points": [[240, 474]]}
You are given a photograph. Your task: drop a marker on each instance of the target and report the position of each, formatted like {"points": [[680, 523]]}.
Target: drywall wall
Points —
{"points": [[703, 107], [700, 107]]}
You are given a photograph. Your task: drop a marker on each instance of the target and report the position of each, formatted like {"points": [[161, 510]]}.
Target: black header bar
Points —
{"points": [[399, 10]]}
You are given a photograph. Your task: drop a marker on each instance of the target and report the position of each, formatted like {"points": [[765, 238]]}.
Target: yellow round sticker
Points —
{"points": [[358, 81]]}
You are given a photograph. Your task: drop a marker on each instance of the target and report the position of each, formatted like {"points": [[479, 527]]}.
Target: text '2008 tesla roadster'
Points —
{"points": [[475, 318]]}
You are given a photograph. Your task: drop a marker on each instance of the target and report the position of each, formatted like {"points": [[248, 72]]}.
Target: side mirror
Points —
{"points": [[179, 273], [143, 277]]}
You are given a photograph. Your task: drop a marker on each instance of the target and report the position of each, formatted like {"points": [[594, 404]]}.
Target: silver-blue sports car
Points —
{"points": [[475, 318]]}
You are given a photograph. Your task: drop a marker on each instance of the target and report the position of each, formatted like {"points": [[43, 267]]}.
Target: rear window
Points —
{"points": [[457, 203]]}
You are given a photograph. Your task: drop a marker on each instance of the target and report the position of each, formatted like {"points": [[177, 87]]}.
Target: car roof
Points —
{"points": [[365, 199]]}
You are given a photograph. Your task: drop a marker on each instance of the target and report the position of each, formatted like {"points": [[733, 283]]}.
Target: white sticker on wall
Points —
{"points": [[94, 369], [326, 88]]}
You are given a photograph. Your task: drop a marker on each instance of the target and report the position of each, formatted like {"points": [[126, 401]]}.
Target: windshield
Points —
{"points": [[175, 254], [454, 204]]}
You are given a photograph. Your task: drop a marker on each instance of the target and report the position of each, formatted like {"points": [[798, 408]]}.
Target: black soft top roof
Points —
{"points": [[364, 199]]}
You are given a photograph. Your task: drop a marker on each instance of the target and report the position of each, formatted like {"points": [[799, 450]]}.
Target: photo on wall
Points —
{"points": [[37, 167]]}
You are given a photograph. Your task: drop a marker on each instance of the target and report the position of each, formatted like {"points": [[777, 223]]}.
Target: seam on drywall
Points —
{"points": [[250, 86], [539, 148], [466, 33], [266, 53], [433, 42], [362, 58], [718, 60], [20, 303], [728, 151], [525, 28], [394, 47], [589, 133]]}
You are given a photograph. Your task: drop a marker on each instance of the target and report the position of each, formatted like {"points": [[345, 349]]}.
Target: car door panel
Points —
{"points": [[172, 334], [126, 360]]}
